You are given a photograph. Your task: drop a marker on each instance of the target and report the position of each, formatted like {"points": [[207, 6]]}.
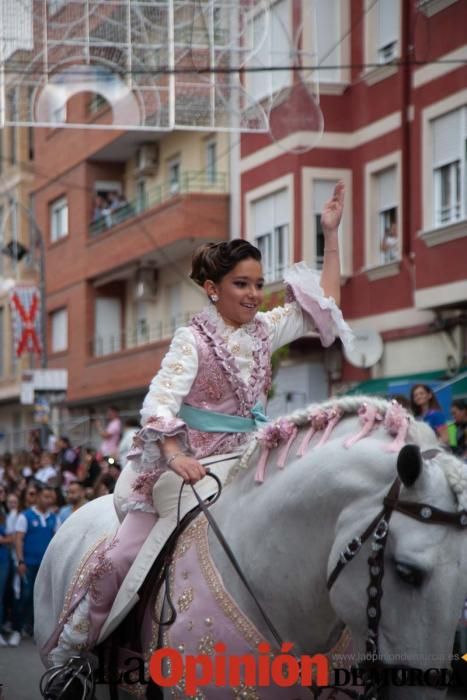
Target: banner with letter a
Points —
{"points": [[25, 305]]}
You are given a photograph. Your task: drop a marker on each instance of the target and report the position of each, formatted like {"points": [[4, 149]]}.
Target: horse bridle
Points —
{"points": [[379, 528]]}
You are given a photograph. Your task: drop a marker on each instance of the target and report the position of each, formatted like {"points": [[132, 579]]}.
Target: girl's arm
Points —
{"points": [[330, 219], [315, 297]]}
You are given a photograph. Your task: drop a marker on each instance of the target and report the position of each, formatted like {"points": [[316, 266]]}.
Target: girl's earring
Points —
{"points": [[214, 298]]}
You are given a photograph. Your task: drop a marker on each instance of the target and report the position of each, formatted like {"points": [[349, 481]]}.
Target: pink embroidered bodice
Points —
{"points": [[219, 387]]}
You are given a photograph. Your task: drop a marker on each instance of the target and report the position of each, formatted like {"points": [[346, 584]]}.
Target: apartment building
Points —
{"points": [[122, 213], [16, 233], [393, 94]]}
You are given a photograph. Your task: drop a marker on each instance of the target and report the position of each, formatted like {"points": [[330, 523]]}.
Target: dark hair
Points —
{"points": [[432, 404], [215, 260], [461, 404]]}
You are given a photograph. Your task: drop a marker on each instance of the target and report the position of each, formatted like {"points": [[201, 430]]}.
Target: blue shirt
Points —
{"points": [[435, 419], [39, 530]]}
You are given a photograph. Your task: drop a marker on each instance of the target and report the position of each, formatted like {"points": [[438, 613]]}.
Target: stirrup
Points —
{"points": [[73, 680]]}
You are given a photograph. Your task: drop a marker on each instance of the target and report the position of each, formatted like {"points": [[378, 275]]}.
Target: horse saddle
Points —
{"points": [[166, 495]]}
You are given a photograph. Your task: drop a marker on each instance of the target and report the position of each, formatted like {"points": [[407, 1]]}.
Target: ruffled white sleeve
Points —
{"points": [[309, 310], [174, 379], [162, 404]]}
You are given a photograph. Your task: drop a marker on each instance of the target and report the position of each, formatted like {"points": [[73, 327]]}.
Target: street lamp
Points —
{"points": [[17, 251]]}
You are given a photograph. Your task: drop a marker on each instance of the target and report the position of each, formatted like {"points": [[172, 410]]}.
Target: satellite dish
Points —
{"points": [[367, 350]]}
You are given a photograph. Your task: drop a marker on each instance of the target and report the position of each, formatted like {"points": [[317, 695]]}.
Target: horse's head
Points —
{"points": [[420, 568]]}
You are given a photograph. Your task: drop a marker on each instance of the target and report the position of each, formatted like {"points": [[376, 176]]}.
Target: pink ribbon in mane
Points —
{"points": [[333, 416], [270, 437], [317, 420], [368, 417], [396, 423]]}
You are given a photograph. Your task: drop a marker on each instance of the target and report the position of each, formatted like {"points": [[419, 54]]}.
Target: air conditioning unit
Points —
{"points": [[147, 159], [146, 284]]}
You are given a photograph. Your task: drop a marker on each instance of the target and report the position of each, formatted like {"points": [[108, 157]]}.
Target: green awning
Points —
{"points": [[382, 386]]}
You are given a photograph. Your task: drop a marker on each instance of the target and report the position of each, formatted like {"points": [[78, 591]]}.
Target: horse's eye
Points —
{"points": [[409, 574]]}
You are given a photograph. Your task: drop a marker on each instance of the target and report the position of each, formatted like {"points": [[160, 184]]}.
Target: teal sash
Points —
{"points": [[213, 422]]}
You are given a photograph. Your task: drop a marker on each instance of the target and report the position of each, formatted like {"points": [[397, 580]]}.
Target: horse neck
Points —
{"points": [[282, 534]]}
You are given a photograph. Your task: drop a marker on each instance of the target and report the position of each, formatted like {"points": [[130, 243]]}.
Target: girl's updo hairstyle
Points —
{"points": [[215, 260]]}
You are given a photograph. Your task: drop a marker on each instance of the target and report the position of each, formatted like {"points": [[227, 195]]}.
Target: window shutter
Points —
{"points": [[328, 34], [59, 330], [322, 191], [387, 189], [281, 208], [263, 216], [108, 325], [447, 138], [280, 42], [388, 22]]}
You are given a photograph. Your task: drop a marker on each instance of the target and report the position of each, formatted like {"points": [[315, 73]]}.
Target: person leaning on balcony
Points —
{"points": [[208, 395]]}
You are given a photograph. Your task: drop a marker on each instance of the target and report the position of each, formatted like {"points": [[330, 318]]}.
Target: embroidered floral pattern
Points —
{"points": [[210, 327], [104, 565]]}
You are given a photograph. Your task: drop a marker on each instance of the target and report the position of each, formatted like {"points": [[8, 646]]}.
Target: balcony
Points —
{"points": [[143, 333], [189, 182]]}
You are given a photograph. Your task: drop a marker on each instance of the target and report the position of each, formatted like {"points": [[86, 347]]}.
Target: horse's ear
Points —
{"points": [[409, 464]]}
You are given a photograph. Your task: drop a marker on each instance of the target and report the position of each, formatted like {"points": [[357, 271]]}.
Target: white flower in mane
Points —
{"points": [[418, 433]]}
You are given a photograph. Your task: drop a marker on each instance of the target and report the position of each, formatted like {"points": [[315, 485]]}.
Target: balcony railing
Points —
{"points": [[189, 182], [143, 333]]}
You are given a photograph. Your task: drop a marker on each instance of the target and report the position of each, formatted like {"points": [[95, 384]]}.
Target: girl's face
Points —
{"points": [[421, 397], [240, 292]]}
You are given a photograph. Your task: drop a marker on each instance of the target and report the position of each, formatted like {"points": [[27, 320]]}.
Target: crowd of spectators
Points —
{"points": [[40, 487], [110, 209]]}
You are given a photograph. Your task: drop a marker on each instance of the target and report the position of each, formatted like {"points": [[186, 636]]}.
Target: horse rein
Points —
{"points": [[379, 528]]}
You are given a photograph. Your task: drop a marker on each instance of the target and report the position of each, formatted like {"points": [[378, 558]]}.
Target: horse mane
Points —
{"points": [[389, 413]]}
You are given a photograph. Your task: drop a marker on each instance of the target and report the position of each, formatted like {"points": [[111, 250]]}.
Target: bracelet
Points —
{"points": [[21, 561], [172, 457]]}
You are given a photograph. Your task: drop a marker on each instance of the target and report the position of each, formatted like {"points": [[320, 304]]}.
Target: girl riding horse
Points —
{"points": [[208, 395]]}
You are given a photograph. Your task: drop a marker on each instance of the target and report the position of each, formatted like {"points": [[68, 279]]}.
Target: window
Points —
{"points": [[141, 196], [58, 219], [273, 37], [211, 162], [387, 240], [387, 30], [271, 233], [107, 325], [174, 176], [59, 330], [328, 13], [449, 167], [322, 191]]}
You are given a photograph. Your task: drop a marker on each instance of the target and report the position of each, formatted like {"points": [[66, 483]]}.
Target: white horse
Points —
{"points": [[289, 533]]}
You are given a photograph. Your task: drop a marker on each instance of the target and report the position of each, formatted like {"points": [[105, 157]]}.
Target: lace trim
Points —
{"points": [[209, 325], [145, 454], [303, 286]]}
